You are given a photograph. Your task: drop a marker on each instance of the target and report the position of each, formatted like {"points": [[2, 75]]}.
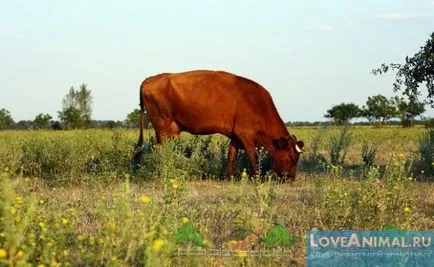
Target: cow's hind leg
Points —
{"points": [[234, 146], [167, 130]]}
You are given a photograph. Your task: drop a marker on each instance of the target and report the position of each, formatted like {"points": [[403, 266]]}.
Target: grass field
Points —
{"points": [[72, 197]]}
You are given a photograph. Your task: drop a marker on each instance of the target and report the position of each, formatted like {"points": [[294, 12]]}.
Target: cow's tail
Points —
{"points": [[142, 111]]}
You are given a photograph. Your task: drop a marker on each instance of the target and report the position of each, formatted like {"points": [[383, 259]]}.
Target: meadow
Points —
{"points": [[73, 198]]}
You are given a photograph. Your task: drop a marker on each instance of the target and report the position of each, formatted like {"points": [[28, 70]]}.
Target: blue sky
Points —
{"points": [[310, 55]]}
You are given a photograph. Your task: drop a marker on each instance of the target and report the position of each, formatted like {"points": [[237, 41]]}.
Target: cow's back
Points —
{"points": [[204, 102]]}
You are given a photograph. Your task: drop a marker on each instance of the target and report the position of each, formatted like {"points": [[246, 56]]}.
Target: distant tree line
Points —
{"points": [[379, 110], [76, 113]]}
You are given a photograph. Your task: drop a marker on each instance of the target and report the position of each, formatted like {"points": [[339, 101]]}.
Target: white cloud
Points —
{"points": [[399, 16]]}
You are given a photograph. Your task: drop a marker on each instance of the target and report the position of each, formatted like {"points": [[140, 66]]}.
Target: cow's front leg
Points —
{"points": [[232, 156]]}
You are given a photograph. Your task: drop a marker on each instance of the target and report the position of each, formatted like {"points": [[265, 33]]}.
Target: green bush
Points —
{"points": [[379, 201], [425, 165], [314, 161], [338, 146], [368, 154]]}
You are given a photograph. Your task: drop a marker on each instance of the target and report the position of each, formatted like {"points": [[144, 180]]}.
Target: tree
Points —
{"points": [[343, 113], [76, 108], [71, 118], [416, 71], [407, 111], [5, 119], [42, 121], [379, 109], [133, 119]]}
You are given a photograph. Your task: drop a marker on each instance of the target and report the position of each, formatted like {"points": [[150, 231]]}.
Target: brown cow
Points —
{"points": [[208, 102]]}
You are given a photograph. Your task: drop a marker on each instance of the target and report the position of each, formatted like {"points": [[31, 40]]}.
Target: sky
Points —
{"points": [[310, 55]]}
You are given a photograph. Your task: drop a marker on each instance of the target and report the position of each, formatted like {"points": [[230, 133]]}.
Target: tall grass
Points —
{"points": [[76, 198]]}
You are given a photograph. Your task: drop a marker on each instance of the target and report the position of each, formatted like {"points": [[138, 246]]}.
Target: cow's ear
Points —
{"points": [[276, 144], [284, 143], [299, 146], [281, 143]]}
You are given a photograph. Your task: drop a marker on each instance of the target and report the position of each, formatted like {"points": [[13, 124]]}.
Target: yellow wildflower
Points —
{"points": [[111, 225], [185, 220], [3, 253], [244, 174], [19, 200], [145, 199], [13, 210], [20, 253], [64, 221], [157, 244], [241, 253], [175, 186], [407, 209]]}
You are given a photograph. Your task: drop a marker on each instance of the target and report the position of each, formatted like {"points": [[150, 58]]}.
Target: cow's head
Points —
{"points": [[285, 154]]}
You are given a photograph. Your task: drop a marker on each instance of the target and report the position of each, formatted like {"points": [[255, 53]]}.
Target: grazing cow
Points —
{"points": [[208, 102]]}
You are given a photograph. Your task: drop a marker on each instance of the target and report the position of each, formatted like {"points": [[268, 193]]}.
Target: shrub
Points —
{"points": [[379, 201], [425, 164], [314, 160], [338, 146], [368, 154]]}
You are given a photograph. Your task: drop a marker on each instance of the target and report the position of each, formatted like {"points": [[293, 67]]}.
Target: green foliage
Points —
{"points": [[315, 161], [112, 217], [378, 201], [76, 108], [133, 119], [46, 158], [425, 165], [368, 154], [343, 113], [187, 234], [379, 109], [5, 119], [416, 71], [42, 121], [338, 146], [407, 111], [429, 123], [278, 236]]}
